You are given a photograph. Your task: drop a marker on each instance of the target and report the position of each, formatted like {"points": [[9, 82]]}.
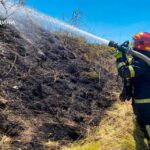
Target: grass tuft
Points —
{"points": [[90, 75]]}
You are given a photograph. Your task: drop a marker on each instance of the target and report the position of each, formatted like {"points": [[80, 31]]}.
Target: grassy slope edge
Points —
{"points": [[116, 132]]}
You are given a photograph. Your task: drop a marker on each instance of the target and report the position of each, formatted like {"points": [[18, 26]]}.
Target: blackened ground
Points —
{"points": [[52, 87]]}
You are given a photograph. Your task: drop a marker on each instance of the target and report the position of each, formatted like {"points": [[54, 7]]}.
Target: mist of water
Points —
{"points": [[21, 14]]}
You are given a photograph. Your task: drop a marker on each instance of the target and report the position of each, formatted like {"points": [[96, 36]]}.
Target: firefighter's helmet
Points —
{"points": [[141, 41]]}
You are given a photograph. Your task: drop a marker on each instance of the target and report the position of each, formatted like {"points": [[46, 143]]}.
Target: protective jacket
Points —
{"points": [[139, 73]]}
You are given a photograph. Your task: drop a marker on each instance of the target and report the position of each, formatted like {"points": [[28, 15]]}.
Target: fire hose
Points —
{"points": [[128, 50]]}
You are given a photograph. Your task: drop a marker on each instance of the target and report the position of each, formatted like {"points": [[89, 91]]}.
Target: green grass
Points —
{"points": [[117, 131]]}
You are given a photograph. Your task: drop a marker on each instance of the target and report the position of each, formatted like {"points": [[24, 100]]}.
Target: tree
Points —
{"points": [[22, 2], [76, 18], [8, 12]]}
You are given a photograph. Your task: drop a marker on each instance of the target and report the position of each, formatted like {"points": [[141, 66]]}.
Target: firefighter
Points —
{"points": [[138, 73]]}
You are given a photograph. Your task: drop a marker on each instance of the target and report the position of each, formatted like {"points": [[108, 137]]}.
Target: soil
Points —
{"points": [[43, 94]]}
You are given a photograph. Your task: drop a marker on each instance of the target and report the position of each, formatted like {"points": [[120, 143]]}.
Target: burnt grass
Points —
{"points": [[50, 89]]}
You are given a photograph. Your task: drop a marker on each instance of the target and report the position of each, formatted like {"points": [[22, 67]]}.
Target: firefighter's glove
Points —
{"points": [[118, 54], [123, 96], [126, 94]]}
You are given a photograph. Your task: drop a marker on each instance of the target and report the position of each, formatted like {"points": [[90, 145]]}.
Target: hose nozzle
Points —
{"points": [[125, 49], [121, 48], [113, 44]]}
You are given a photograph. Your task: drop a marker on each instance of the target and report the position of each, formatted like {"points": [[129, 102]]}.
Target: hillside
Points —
{"points": [[53, 88]]}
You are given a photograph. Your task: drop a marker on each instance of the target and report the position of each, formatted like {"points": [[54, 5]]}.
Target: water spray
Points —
{"points": [[40, 19]]}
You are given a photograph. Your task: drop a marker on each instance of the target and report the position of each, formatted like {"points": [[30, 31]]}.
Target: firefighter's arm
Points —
{"points": [[136, 68]]}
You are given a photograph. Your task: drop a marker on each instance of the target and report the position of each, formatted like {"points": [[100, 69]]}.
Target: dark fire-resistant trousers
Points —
{"points": [[142, 112]]}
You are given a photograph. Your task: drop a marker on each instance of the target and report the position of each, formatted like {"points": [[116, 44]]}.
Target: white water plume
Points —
{"points": [[22, 14]]}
